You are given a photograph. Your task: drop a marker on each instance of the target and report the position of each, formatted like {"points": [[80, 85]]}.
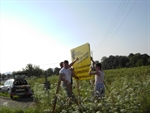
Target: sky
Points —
{"points": [[42, 32]]}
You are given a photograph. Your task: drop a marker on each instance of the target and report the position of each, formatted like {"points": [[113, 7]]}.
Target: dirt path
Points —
{"points": [[19, 102]]}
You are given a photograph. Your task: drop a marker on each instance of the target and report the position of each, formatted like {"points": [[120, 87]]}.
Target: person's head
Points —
{"points": [[98, 66], [61, 64], [66, 63]]}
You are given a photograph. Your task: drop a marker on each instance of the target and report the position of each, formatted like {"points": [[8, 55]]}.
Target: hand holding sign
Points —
{"points": [[82, 67]]}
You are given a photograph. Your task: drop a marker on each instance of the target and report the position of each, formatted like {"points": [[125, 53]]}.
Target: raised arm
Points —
{"points": [[72, 63], [92, 60]]}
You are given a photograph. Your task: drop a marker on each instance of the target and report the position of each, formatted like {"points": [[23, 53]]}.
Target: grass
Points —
{"points": [[128, 91], [6, 109], [4, 94]]}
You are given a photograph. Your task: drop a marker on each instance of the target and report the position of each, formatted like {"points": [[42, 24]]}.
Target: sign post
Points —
{"points": [[82, 66]]}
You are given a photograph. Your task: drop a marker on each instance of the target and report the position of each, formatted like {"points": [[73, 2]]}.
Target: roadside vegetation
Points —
{"points": [[127, 90]]}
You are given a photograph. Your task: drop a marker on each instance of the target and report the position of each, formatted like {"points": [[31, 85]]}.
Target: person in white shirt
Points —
{"points": [[69, 67], [66, 75]]}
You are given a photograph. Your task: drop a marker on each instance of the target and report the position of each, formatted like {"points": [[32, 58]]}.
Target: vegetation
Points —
{"points": [[127, 90], [4, 94], [133, 60], [6, 109], [112, 62]]}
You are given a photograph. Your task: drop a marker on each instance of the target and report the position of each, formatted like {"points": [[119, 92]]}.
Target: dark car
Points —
{"points": [[17, 86]]}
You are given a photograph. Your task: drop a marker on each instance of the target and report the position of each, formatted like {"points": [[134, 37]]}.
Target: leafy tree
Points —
{"points": [[103, 59], [148, 61], [3, 76], [29, 69], [33, 70], [133, 60], [37, 71], [49, 72], [56, 71], [123, 61], [130, 55], [139, 62], [145, 58]]}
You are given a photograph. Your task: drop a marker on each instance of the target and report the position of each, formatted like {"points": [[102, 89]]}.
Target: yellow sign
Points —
{"points": [[82, 66]]}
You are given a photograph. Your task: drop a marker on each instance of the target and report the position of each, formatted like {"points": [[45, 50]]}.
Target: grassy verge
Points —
{"points": [[4, 94], [6, 109], [128, 90]]}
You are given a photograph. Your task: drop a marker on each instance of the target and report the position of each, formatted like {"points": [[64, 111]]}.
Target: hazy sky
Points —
{"points": [[42, 32]]}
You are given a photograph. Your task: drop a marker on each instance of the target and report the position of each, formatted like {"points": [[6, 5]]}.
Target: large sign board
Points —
{"points": [[82, 66]]}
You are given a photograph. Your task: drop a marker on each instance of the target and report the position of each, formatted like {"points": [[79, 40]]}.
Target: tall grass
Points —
{"points": [[127, 91]]}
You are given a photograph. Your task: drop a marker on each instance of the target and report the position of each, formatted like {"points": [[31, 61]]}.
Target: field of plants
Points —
{"points": [[127, 90]]}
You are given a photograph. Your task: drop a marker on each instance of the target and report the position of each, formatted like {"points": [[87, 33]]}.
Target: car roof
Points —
{"points": [[10, 80]]}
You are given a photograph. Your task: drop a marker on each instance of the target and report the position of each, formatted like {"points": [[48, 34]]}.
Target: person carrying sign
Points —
{"points": [[69, 67], [66, 75], [99, 80]]}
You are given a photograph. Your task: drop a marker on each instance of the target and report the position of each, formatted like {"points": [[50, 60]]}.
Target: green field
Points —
{"points": [[127, 90]]}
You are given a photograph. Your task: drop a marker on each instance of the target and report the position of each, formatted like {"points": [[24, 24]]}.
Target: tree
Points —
{"points": [[145, 58], [130, 55], [139, 62], [123, 60], [33, 70], [103, 59], [3, 76], [132, 60], [49, 72], [148, 61], [37, 71], [29, 69], [56, 71]]}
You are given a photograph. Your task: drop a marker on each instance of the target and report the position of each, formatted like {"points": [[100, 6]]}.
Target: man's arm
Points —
{"points": [[93, 64], [94, 72], [92, 60], [72, 63]]}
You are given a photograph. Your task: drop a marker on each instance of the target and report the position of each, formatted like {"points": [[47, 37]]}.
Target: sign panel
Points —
{"points": [[82, 66]]}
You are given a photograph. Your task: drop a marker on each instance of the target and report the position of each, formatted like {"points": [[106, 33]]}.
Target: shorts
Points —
{"points": [[99, 89]]}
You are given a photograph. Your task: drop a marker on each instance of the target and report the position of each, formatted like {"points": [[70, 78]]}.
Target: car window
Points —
{"points": [[19, 76], [6, 83], [20, 82], [10, 82]]}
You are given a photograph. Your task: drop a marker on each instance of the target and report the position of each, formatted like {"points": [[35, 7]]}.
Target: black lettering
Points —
{"points": [[82, 71], [87, 65]]}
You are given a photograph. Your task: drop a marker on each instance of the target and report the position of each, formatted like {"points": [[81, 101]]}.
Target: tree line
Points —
{"points": [[132, 60], [111, 62], [33, 71]]}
